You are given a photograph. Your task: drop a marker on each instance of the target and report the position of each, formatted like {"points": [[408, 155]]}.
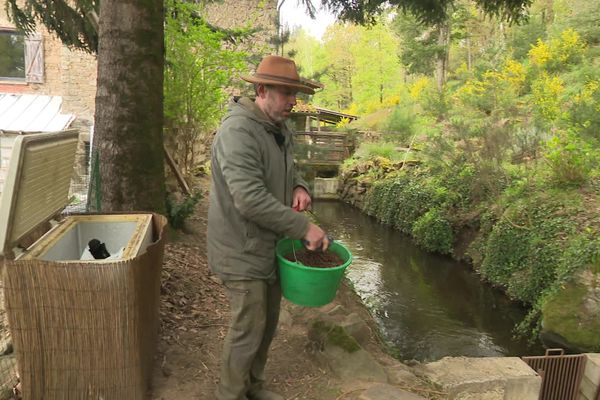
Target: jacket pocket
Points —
{"points": [[259, 242]]}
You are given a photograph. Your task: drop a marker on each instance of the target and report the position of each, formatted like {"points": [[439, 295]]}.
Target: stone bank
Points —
{"points": [[342, 340]]}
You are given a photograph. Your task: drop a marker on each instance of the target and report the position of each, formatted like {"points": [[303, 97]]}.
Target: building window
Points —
{"points": [[12, 55], [21, 56]]}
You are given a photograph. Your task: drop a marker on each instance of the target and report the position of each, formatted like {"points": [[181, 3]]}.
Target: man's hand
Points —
{"points": [[300, 199], [316, 238]]}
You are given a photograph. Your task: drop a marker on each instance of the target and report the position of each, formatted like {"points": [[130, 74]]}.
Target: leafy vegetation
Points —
{"points": [[434, 232], [503, 125], [179, 210], [198, 71]]}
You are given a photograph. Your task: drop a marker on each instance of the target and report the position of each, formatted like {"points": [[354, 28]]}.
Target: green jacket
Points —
{"points": [[251, 194]]}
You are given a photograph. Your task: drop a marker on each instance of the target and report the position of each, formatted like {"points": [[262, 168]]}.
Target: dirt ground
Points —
{"points": [[194, 318]]}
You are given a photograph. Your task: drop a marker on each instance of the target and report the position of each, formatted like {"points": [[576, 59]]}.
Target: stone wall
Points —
{"points": [[326, 188], [259, 16], [255, 14]]}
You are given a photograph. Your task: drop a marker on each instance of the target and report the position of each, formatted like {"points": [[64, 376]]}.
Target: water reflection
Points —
{"points": [[428, 306]]}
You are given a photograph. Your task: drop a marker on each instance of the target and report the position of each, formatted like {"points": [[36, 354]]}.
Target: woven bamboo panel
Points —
{"points": [[86, 330], [8, 363]]}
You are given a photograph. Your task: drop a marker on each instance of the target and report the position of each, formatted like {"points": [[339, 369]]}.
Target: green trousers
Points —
{"points": [[254, 315]]}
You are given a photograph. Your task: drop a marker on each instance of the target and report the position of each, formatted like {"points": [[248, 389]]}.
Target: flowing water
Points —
{"points": [[428, 306]]}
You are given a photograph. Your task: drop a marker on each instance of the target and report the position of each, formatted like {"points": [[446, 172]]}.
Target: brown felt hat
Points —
{"points": [[280, 71]]}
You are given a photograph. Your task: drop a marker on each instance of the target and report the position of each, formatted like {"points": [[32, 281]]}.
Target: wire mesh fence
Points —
{"points": [[78, 194]]}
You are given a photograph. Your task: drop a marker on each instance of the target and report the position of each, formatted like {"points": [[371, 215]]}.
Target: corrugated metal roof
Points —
{"points": [[32, 113]]}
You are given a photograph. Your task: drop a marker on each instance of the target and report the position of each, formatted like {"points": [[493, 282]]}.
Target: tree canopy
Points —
{"points": [[425, 11], [70, 20]]}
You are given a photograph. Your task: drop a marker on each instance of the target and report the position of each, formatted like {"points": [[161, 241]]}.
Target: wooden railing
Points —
{"points": [[322, 148]]}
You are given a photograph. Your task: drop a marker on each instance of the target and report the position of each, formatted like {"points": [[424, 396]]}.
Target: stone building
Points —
{"points": [[41, 64]]}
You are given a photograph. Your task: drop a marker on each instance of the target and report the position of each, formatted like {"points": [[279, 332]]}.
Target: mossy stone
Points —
{"points": [[335, 335], [565, 314]]}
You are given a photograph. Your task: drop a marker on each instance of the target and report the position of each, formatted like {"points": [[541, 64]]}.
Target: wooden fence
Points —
{"points": [[322, 148]]}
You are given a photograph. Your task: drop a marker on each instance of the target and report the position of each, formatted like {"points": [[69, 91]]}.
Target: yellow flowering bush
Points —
{"points": [[392, 100], [540, 54], [416, 89], [556, 53], [547, 91], [514, 72], [343, 122], [495, 88], [587, 94], [569, 47]]}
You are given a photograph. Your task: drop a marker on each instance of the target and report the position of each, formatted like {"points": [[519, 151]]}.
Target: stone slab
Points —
{"points": [[591, 377], [356, 327], [509, 375], [400, 374], [358, 365], [587, 390], [387, 392], [592, 367]]}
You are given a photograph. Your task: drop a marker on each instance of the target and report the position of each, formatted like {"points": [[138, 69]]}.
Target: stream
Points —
{"points": [[427, 306]]}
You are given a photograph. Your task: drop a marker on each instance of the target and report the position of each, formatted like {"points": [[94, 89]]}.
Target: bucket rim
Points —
{"points": [[284, 261], [288, 263]]}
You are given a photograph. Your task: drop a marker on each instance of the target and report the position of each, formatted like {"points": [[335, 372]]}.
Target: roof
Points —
{"points": [[322, 114], [32, 113]]}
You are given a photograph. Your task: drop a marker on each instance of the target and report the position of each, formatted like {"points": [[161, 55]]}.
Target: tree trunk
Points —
{"points": [[128, 159], [469, 55], [441, 62]]}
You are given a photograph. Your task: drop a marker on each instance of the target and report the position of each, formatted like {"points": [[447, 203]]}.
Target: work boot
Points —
{"points": [[264, 394]]}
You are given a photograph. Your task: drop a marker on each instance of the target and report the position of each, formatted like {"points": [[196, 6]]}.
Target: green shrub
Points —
{"points": [[389, 200], [527, 248], [418, 195], [178, 212], [199, 66], [433, 232], [381, 201], [571, 159], [505, 252], [368, 151], [375, 198], [402, 123], [583, 91]]}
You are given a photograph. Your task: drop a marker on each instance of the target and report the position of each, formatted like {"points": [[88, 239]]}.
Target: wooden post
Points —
{"points": [[180, 179]]}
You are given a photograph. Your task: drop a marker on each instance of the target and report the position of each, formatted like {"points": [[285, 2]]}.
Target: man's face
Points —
{"points": [[277, 101]]}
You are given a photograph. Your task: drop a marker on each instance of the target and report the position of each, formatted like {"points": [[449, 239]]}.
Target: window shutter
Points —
{"points": [[34, 58]]}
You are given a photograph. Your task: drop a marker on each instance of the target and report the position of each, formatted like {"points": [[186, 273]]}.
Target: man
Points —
{"points": [[255, 199]]}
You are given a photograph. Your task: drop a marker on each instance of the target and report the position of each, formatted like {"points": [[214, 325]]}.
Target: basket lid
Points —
{"points": [[37, 183]]}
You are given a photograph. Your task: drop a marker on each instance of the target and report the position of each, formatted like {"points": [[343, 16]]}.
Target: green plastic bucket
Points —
{"points": [[309, 286]]}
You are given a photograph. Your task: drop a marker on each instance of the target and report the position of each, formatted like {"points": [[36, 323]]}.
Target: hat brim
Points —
{"points": [[276, 82]]}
